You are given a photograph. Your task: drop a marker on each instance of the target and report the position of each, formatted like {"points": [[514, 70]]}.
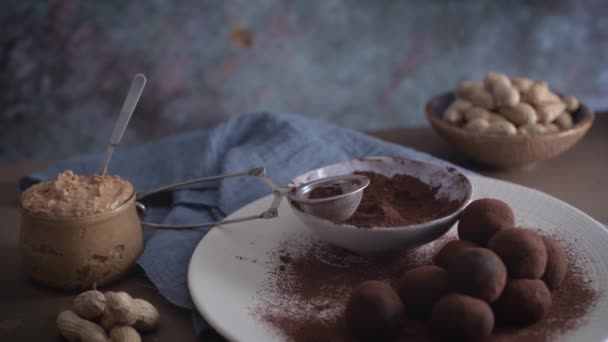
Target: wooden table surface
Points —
{"points": [[27, 311]]}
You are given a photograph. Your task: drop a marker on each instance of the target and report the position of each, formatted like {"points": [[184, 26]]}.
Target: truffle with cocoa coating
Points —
{"points": [[374, 311], [481, 219], [522, 250], [524, 301], [447, 252], [420, 288], [557, 263], [477, 272], [457, 317]]}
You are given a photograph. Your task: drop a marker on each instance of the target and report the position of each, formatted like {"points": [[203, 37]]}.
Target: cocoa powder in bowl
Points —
{"points": [[400, 200], [325, 192]]}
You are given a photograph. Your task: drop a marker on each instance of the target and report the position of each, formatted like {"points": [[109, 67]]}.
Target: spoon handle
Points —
{"points": [[137, 87]]}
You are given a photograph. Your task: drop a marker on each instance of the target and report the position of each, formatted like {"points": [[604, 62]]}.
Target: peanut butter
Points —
{"points": [[72, 195]]}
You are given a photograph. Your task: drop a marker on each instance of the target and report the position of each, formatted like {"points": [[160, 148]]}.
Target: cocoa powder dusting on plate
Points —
{"points": [[569, 304], [309, 283], [398, 201], [304, 298]]}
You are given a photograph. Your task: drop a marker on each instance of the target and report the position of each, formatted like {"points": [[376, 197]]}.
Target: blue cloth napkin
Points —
{"points": [[287, 145]]}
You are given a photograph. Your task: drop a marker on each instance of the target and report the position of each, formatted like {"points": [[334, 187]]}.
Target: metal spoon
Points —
{"points": [[137, 87]]}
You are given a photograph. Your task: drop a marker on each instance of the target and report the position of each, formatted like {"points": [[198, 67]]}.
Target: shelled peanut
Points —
{"points": [[107, 317], [510, 106]]}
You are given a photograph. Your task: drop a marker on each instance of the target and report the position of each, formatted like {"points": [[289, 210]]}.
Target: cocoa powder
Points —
{"points": [[398, 201], [309, 283], [325, 191]]}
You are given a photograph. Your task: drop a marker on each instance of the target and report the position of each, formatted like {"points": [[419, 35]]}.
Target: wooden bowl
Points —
{"points": [[506, 151]]}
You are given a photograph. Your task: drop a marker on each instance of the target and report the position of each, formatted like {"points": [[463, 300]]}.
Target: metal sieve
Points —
{"points": [[334, 208]]}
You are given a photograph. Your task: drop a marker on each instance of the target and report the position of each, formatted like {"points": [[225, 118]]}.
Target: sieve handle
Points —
{"points": [[277, 192]]}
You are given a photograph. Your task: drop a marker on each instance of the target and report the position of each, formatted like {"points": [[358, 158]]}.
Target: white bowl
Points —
{"points": [[378, 240]]}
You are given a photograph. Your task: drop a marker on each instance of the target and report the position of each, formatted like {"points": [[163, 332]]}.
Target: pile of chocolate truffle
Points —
{"points": [[496, 272]]}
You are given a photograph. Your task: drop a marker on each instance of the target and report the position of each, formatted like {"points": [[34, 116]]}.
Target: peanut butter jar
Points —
{"points": [[79, 230]]}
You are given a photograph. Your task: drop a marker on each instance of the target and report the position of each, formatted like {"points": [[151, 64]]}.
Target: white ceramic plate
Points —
{"points": [[223, 286]]}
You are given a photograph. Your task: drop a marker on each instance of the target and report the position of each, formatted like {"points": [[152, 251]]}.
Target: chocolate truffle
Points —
{"points": [[522, 250], [420, 288], [457, 317], [557, 263], [374, 311], [447, 252], [524, 301], [477, 272], [483, 218]]}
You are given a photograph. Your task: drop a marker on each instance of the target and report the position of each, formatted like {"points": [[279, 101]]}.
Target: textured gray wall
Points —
{"points": [[65, 65]]}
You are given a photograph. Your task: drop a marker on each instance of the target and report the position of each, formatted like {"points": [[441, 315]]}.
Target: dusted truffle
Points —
{"points": [[557, 263], [374, 311], [522, 250], [457, 317], [420, 288], [524, 301], [447, 252], [477, 272], [481, 219]]}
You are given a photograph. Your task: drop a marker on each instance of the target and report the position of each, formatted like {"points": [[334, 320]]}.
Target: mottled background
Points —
{"points": [[65, 65]]}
